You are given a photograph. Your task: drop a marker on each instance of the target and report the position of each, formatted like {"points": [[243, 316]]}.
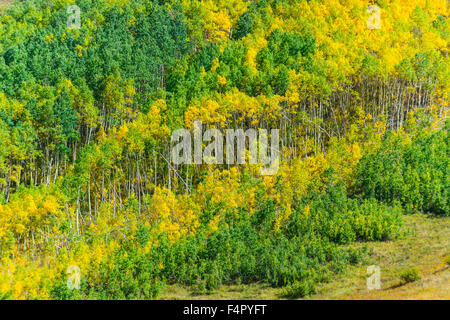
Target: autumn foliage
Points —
{"points": [[86, 117]]}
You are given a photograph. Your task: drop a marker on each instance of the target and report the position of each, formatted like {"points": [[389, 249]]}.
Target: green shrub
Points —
{"points": [[415, 174], [305, 251], [60, 290], [410, 275], [299, 289], [343, 220], [6, 295]]}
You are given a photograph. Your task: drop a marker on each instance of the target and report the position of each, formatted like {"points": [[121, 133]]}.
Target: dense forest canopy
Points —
{"points": [[87, 112]]}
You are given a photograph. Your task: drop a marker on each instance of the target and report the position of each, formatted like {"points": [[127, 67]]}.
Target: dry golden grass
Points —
{"points": [[425, 247], [4, 4], [424, 244]]}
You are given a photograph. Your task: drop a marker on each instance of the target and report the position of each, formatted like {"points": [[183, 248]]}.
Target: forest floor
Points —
{"points": [[424, 244]]}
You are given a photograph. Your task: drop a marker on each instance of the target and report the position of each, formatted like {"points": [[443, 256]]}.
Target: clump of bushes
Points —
{"points": [[245, 248], [415, 173], [343, 220], [299, 289], [410, 275]]}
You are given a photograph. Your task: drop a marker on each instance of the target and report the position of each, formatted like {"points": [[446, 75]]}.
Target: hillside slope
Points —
{"points": [[148, 146], [425, 245]]}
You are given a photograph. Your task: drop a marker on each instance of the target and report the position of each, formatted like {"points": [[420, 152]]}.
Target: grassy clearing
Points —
{"points": [[424, 245]]}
